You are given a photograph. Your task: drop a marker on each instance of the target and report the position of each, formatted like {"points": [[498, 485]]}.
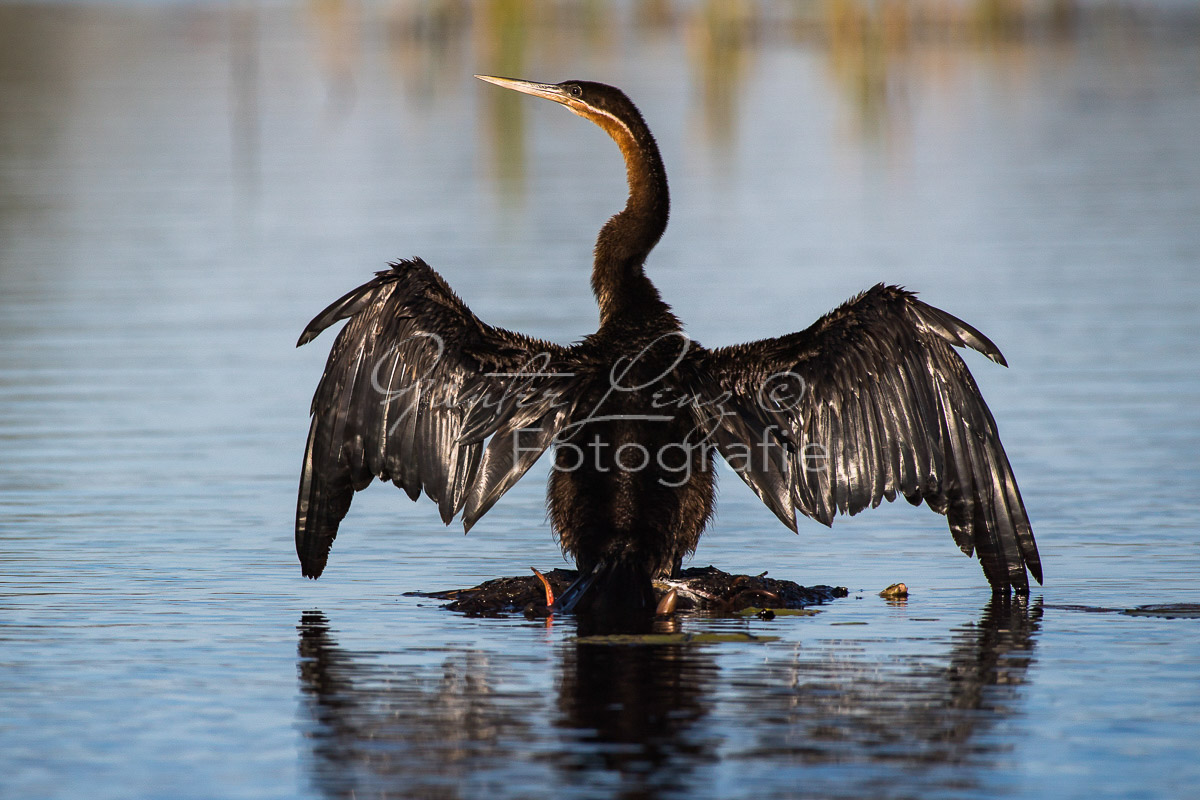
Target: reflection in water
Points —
{"points": [[394, 733], [425, 46], [654, 721], [870, 47], [335, 26], [722, 37], [148, 398], [926, 711], [244, 105], [630, 717]]}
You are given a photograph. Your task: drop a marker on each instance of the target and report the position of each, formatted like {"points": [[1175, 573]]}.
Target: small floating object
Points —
{"points": [[897, 591]]}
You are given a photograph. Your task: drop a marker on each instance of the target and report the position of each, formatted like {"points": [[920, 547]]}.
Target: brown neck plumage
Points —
{"points": [[618, 276]]}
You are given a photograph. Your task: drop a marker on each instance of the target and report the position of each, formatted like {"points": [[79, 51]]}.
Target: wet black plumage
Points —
{"points": [[869, 403]]}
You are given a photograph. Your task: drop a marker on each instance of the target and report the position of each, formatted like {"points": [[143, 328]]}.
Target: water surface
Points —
{"points": [[182, 187]]}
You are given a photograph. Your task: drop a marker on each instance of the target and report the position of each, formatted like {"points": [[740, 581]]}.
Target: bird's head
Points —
{"points": [[605, 105]]}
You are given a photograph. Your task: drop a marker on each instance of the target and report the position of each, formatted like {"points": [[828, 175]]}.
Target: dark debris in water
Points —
{"points": [[678, 638], [1162, 610], [1168, 610], [698, 588]]}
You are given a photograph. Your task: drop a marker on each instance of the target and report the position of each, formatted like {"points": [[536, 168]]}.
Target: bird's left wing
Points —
{"points": [[414, 384], [868, 403]]}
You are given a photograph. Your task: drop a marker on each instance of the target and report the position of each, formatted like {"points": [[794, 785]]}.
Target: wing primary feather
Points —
{"points": [[957, 332], [824, 478], [344, 307], [1025, 540], [878, 391], [768, 477], [506, 460], [858, 452]]}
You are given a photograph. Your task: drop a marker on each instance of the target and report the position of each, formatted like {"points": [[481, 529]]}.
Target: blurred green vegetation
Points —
{"points": [[872, 53], [868, 46]]}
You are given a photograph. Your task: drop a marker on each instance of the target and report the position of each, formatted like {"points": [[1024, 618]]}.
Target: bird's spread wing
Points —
{"points": [[871, 402], [413, 386]]}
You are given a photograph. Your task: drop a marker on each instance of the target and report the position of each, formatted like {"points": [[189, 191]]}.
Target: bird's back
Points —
{"points": [[632, 479]]}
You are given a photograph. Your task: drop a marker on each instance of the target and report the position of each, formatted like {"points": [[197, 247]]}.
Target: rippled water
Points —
{"points": [[182, 187]]}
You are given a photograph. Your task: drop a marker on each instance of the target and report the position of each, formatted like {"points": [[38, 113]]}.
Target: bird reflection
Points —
{"points": [[388, 732], [923, 710], [651, 721], [631, 717]]}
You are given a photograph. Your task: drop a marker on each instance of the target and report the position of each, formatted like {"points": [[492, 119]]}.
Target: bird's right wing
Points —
{"points": [[414, 384], [868, 403]]}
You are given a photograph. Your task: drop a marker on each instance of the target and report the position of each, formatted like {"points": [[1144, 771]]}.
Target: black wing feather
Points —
{"points": [[897, 412], [402, 376]]}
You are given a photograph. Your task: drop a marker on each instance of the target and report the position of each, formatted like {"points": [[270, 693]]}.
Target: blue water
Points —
{"points": [[183, 187]]}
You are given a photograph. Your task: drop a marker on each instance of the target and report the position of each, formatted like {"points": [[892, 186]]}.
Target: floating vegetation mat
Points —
{"points": [[697, 588]]}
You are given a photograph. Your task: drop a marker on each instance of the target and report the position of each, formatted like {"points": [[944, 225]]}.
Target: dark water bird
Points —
{"points": [[869, 403]]}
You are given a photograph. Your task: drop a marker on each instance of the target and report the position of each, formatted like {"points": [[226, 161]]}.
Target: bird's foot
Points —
{"points": [[548, 587]]}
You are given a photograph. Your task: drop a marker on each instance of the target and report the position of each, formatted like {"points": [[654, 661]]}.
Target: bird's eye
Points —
{"points": [[576, 91]]}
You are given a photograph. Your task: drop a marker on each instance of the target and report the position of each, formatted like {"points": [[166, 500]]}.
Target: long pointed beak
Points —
{"points": [[547, 90]]}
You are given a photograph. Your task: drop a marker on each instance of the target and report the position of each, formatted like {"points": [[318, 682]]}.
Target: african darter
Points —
{"points": [[871, 402]]}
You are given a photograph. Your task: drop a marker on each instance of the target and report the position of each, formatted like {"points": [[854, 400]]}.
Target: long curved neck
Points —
{"points": [[618, 277]]}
